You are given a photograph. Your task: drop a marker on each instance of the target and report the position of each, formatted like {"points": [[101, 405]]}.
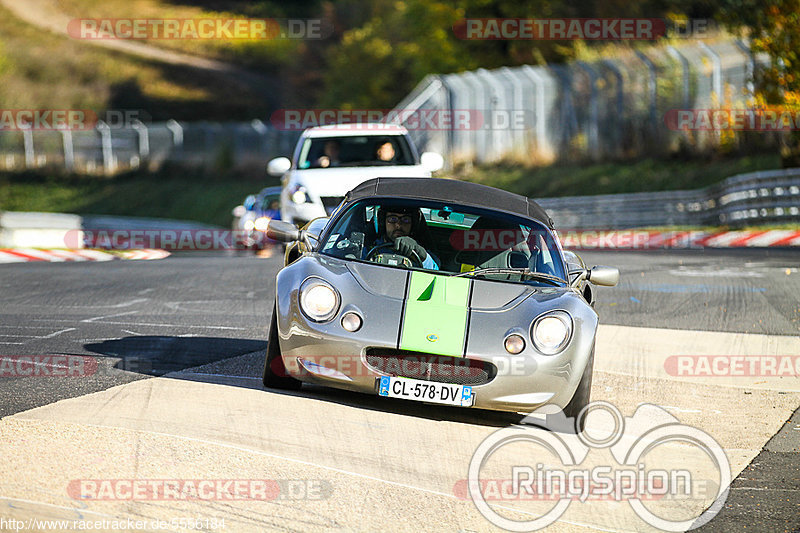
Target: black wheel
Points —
{"points": [[581, 397], [275, 375]]}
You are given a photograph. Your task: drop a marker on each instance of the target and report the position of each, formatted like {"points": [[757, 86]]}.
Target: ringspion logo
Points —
{"points": [[674, 477]]}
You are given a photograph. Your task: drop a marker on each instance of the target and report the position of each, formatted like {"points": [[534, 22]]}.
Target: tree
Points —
{"points": [[773, 27], [378, 63]]}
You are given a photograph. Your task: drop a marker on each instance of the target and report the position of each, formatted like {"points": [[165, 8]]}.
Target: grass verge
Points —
{"points": [[176, 194], [617, 177]]}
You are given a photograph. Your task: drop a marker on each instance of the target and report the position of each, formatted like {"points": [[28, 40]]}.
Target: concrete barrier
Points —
{"points": [[37, 230]]}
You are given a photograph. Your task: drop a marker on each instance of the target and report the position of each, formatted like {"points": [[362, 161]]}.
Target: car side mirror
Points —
{"points": [[239, 211], [603, 275], [278, 166], [431, 161], [283, 231]]}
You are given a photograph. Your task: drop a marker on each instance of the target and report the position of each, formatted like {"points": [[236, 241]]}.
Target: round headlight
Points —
{"points": [[261, 223], [318, 300], [299, 196], [514, 344], [551, 332], [351, 322], [248, 225]]}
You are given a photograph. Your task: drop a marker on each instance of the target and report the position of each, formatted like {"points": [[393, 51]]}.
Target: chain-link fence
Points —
{"points": [[109, 150], [610, 108]]}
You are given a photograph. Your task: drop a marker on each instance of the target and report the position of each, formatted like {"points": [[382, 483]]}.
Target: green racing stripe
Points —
{"points": [[435, 317]]}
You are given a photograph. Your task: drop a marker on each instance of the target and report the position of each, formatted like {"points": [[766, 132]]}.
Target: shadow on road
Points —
{"points": [[239, 363], [159, 355]]}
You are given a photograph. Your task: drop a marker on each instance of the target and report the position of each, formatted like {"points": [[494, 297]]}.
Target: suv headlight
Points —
{"points": [[319, 301], [551, 332], [299, 196]]}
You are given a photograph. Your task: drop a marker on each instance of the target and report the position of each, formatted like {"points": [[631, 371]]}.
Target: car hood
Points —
{"points": [[489, 296], [436, 308], [337, 181]]}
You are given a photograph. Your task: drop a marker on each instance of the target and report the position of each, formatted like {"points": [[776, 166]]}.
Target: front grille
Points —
{"points": [[428, 367], [331, 202]]}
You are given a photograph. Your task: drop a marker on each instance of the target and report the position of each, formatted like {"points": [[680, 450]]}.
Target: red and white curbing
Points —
{"points": [[145, 255], [652, 240], [23, 255]]}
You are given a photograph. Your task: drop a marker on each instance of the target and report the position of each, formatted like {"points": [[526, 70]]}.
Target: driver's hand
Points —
{"points": [[406, 245]]}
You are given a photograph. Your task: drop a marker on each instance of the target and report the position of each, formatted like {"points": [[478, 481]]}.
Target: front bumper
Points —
{"points": [[519, 383]]}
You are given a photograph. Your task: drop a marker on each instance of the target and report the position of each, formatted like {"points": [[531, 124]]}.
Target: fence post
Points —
{"points": [[27, 142], [750, 69], [477, 94], [109, 166], [619, 116], [69, 149], [652, 89], [567, 118], [517, 130], [144, 139], [717, 72], [594, 110], [672, 51], [541, 112]]}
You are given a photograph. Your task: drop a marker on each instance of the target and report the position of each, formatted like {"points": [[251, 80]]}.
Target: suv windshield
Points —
{"points": [[355, 151], [452, 239]]}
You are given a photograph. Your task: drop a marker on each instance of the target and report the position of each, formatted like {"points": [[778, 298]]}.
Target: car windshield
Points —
{"points": [[354, 151], [452, 239]]}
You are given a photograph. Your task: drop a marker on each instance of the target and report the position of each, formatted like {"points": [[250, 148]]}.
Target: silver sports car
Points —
{"points": [[439, 291]]}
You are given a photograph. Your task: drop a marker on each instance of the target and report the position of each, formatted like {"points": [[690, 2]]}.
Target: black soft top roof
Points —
{"points": [[456, 191]]}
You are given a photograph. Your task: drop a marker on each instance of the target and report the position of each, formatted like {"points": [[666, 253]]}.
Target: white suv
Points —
{"points": [[328, 161]]}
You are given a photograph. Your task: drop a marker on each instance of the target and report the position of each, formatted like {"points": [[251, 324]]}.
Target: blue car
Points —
{"points": [[252, 217]]}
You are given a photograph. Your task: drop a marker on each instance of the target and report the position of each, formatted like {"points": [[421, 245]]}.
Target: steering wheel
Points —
{"points": [[407, 261]]}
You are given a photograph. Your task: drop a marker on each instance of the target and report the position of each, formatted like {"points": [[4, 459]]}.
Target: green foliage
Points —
{"points": [[170, 193], [612, 178], [773, 27], [378, 63]]}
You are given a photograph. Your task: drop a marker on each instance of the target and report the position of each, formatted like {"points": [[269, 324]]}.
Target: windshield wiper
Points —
{"points": [[539, 276]]}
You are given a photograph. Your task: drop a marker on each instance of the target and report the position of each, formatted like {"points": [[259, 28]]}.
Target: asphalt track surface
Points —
{"points": [[142, 414]]}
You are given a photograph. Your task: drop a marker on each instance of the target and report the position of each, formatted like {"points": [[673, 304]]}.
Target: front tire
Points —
{"points": [[581, 397], [275, 375]]}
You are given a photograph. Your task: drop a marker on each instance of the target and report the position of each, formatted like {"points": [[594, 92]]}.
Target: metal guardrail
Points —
{"points": [[109, 150], [756, 198]]}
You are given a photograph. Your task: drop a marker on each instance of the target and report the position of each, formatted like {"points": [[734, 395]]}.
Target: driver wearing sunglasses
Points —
{"points": [[399, 224]]}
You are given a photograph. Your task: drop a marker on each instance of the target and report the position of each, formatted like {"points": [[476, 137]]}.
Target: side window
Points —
{"points": [[315, 228]]}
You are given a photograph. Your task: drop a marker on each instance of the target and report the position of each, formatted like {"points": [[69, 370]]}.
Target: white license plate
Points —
{"points": [[426, 391]]}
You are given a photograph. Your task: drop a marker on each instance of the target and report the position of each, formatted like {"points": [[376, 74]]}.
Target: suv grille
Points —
{"points": [[428, 367]]}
